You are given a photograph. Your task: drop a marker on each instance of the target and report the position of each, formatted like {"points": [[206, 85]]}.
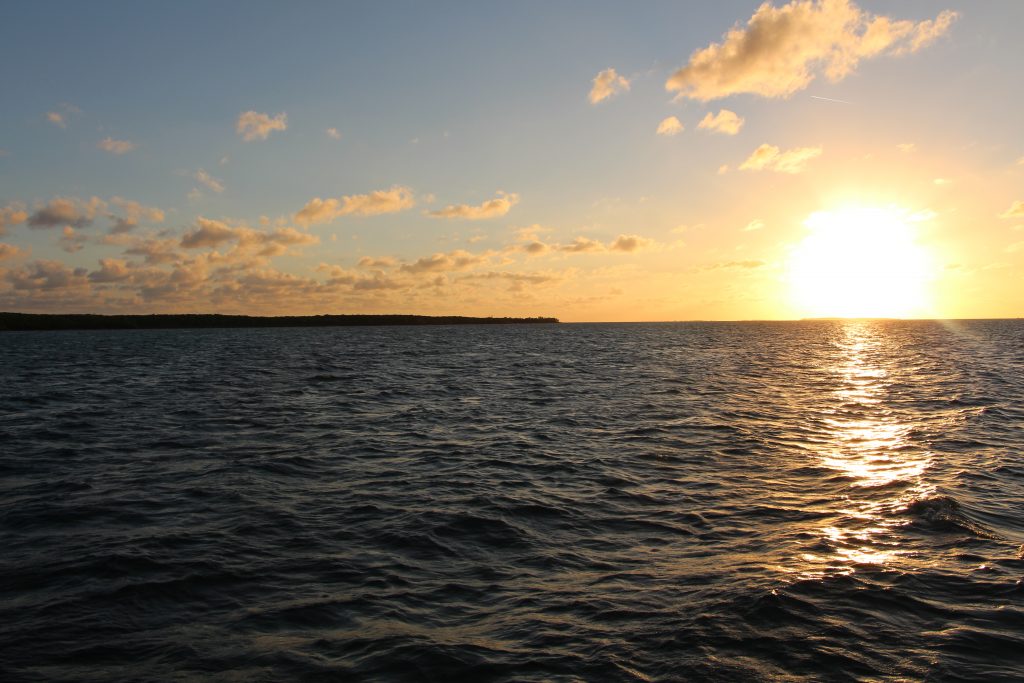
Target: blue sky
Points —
{"points": [[459, 104]]}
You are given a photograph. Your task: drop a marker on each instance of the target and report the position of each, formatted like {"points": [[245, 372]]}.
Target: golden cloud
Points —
{"points": [[252, 125], [670, 126], [492, 208], [606, 84], [319, 210], [725, 121], [783, 49], [771, 158]]}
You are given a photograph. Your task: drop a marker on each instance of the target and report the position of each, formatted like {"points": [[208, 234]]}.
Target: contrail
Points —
{"points": [[830, 99]]}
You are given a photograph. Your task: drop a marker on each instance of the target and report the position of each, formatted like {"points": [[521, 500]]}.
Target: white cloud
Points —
{"points": [[254, 125], [116, 146], [906, 147], [770, 158], [783, 49], [319, 210], [333, 134], [724, 121], [753, 225], [606, 84], [670, 126], [492, 208]]}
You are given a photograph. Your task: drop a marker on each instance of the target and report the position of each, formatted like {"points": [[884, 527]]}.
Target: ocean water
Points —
{"points": [[818, 500]]}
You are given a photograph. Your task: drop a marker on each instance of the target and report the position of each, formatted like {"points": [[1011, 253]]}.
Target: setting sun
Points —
{"points": [[860, 263]]}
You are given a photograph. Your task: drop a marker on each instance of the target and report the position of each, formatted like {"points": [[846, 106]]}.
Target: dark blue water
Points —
{"points": [[757, 501]]}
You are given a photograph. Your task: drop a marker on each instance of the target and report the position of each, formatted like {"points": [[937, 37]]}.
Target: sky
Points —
{"points": [[592, 161]]}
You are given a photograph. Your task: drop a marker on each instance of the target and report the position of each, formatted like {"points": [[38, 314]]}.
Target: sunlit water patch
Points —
{"points": [[792, 501]]}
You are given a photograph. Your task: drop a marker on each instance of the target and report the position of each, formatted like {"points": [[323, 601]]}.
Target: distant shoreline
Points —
{"points": [[25, 322]]}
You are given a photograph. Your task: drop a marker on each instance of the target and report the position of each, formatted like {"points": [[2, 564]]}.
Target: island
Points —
{"points": [[11, 322]]}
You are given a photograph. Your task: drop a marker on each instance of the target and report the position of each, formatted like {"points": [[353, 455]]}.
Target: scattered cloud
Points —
{"points": [[1016, 210], [116, 146], [670, 126], [753, 225], [254, 125], [606, 84], [906, 147], [1014, 248], [581, 245], [442, 263], [12, 214], [744, 265], [71, 240], [333, 134], [66, 211], [131, 214], [209, 181], [46, 274], [492, 208], [630, 243], [942, 181], [9, 251], [208, 233], [57, 119], [783, 49], [319, 210], [770, 158], [725, 121], [723, 169], [384, 262]]}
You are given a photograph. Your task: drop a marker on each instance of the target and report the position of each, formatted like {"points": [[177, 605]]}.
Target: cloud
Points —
{"points": [[66, 211], [1016, 210], [744, 265], [72, 241], [753, 225], [56, 118], [581, 245], [381, 201], [111, 270], [492, 208], [783, 49], [770, 158], [116, 146], [670, 126], [630, 243], [333, 134], [12, 214], [133, 213], [46, 275], [379, 262], [9, 251], [906, 147], [208, 233], [725, 121], [442, 263], [606, 84], [208, 180], [254, 125]]}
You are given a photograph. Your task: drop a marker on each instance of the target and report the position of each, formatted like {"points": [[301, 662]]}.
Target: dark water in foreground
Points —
{"points": [[758, 501]]}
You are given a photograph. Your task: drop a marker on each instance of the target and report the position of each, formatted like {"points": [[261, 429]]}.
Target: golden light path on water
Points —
{"points": [[869, 444]]}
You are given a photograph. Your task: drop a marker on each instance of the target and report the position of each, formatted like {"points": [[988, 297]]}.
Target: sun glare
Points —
{"points": [[860, 263]]}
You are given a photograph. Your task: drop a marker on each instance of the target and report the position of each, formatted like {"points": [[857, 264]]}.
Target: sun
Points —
{"points": [[860, 262]]}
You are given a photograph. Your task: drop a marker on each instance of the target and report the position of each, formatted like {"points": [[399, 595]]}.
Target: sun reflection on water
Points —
{"points": [[869, 445]]}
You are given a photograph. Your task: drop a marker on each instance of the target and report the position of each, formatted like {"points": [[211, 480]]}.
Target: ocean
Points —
{"points": [[818, 500]]}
